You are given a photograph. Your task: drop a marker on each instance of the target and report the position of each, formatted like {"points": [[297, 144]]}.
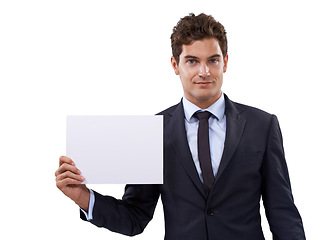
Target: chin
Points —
{"points": [[207, 95]]}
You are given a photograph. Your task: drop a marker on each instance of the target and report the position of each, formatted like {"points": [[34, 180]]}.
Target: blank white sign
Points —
{"points": [[117, 149]]}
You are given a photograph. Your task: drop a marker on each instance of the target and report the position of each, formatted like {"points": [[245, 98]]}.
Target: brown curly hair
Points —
{"points": [[191, 27]]}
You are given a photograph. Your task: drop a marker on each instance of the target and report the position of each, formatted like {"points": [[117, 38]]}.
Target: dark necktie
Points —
{"points": [[204, 150]]}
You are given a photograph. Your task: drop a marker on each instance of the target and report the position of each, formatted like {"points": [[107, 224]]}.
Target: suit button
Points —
{"points": [[211, 212]]}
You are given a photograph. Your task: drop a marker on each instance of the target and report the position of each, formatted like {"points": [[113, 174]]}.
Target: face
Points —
{"points": [[201, 67]]}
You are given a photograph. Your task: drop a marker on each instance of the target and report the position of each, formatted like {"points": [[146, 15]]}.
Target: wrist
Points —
{"points": [[83, 200]]}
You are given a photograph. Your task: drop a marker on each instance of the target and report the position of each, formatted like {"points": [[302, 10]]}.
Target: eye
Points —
{"points": [[191, 61], [213, 60]]}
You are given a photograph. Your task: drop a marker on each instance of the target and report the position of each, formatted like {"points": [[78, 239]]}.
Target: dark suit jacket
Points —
{"points": [[252, 166]]}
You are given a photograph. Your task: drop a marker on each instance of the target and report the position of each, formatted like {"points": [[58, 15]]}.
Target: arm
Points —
{"points": [[130, 215], [284, 219]]}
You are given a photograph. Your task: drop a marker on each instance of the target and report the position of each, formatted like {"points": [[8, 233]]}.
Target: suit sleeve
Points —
{"points": [[284, 219], [130, 215]]}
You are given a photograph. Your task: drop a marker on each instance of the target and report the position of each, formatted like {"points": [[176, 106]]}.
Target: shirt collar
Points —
{"points": [[217, 108]]}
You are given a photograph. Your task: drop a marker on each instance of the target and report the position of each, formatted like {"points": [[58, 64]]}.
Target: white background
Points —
{"points": [[61, 58]]}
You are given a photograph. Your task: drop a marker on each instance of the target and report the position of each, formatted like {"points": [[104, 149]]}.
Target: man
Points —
{"points": [[216, 167]]}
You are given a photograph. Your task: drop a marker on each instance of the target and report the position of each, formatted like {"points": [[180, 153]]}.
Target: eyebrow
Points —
{"points": [[194, 57], [215, 55]]}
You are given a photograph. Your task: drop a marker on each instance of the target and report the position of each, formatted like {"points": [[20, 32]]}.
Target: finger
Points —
{"points": [[67, 181], [65, 159], [67, 167], [71, 175]]}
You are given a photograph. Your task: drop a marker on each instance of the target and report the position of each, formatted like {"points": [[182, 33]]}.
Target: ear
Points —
{"points": [[174, 65], [225, 63]]}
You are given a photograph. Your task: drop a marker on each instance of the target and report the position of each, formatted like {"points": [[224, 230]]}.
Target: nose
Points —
{"points": [[204, 71]]}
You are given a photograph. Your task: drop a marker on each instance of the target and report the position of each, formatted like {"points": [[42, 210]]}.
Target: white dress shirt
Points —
{"points": [[217, 131]]}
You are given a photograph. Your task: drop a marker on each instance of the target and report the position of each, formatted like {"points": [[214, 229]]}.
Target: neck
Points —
{"points": [[204, 103]]}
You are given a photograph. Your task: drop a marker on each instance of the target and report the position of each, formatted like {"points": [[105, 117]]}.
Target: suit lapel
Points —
{"points": [[234, 128], [176, 134]]}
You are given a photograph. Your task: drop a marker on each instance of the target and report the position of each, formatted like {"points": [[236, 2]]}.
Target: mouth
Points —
{"points": [[204, 83]]}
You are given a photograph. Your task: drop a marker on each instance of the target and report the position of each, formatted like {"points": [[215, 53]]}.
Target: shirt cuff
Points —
{"points": [[89, 213]]}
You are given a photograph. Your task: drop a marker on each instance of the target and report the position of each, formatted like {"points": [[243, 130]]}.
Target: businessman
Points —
{"points": [[220, 158]]}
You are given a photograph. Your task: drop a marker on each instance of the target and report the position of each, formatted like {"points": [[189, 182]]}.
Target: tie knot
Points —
{"points": [[203, 115]]}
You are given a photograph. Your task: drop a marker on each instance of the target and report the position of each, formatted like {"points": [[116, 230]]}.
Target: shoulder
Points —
{"points": [[246, 111], [170, 110], [251, 110], [256, 119]]}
